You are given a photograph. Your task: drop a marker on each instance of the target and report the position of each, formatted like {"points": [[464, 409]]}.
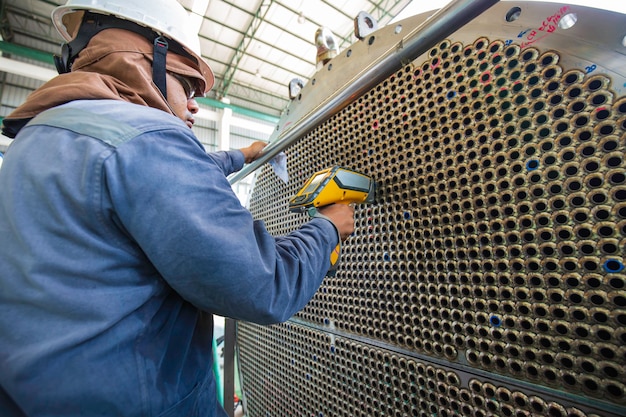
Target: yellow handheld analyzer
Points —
{"points": [[331, 186]]}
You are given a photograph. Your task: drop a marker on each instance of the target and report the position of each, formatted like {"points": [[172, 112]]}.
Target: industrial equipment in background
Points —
{"points": [[488, 280]]}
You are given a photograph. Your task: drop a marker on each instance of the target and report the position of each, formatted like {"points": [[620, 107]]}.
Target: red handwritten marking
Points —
{"points": [[532, 40], [548, 25]]}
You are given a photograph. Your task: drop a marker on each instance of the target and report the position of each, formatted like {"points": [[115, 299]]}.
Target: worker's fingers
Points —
{"points": [[342, 216], [252, 152]]}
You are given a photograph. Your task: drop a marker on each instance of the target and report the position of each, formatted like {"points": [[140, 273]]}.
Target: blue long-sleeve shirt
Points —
{"points": [[119, 238]]}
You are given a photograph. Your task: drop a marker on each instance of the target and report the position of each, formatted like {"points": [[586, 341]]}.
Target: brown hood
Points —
{"points": [[117, 65]]}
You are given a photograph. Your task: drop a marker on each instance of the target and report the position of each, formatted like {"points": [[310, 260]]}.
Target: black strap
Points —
{"points": [[90, 26], [158, 64]]}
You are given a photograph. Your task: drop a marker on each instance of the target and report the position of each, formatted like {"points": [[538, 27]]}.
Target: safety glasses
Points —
{"points": [[188, 85]]}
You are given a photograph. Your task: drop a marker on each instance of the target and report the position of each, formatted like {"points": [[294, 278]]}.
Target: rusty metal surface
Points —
{"points": [[489, 277]]}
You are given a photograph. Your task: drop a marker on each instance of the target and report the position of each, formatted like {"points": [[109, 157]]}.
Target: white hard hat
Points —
{"points": [[166, 17]]}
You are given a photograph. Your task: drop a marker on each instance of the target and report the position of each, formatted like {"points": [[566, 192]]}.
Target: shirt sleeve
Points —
{"points": [[175, 202], [228, 161]]}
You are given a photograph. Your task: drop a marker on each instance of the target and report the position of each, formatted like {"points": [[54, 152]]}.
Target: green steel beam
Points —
{"points": [[46, 57], [309, 39], [237, 109], [25, 52], [384, 10], [275, 47], [227, 65], [345, 39], [243, 45]]}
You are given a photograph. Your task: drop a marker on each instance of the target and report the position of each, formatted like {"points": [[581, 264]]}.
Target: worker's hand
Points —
{"points": [[252, 152], [342, 216]]}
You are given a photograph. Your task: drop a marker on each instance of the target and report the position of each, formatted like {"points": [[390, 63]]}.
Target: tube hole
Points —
{"points": [[514, 13], [613, 266], [568, 21]]}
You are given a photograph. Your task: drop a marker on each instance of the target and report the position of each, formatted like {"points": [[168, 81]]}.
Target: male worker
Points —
{"points": [[120, 236]]}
